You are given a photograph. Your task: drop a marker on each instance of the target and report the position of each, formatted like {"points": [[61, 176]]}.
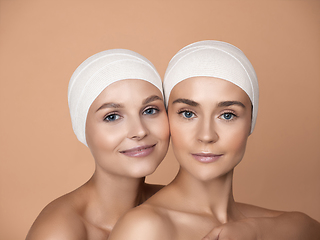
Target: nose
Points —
{"points": [[207, 131], [137, 129]]}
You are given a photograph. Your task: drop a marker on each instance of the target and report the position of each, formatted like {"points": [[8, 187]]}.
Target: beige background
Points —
{"points": [[42, 42]]}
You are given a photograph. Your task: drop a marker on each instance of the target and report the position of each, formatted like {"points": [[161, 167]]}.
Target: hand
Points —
{"points": [[239, 230]]}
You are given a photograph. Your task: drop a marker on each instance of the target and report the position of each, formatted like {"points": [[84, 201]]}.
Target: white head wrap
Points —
{"points": [[213, 59], [99, 71]]}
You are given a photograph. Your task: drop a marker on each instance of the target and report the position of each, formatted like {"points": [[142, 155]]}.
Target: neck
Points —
{"points": [[213, 197], [110, 196]]}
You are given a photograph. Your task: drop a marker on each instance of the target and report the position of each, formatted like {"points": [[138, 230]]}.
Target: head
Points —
{"points": [[211, 92], [117, 110]]}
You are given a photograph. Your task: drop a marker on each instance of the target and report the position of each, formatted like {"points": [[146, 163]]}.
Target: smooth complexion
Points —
{"points": [[128, 134], [210, 121], [127, 129], [209, 131]]}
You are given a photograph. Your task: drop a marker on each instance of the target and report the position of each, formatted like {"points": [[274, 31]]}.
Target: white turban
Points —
{"points": [[213, 59], [99, 71]]}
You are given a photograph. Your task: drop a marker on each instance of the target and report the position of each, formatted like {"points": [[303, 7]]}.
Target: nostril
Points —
{"points": [[208, 137], [138, 133]]}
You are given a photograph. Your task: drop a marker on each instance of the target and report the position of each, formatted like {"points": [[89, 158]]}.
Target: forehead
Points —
{"points": [[127, 90], [204, 89]]}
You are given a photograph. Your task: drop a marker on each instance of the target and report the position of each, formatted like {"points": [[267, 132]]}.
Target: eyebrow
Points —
{"points": [[220, 104], [110, 105], [186, 101], [117, 105], [151, 99], [230, 103]]}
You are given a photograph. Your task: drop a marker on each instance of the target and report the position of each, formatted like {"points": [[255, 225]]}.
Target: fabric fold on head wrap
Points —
{"points": [[99, 71], [217, 59]]}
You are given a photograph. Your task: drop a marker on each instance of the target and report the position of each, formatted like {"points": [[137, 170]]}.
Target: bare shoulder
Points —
{"points": [[58, 220], [143, 222], [255, 211]]}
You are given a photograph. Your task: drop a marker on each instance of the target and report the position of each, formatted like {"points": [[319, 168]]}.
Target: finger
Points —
{"points": [[213, 234]]}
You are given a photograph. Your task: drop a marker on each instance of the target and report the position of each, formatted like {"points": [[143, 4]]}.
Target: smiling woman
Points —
{"points": [[117, 110], [218, 125], [211, 92], [127, 110]]}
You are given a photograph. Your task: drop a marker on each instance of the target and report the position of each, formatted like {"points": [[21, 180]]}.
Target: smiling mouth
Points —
{"points": [[206, 157], [141, 151]]}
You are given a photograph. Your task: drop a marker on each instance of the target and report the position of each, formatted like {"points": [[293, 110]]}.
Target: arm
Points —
{"points": [[286, 226]]}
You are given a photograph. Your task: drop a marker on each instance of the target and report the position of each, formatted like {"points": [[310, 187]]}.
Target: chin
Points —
{"points": [[206, 173], [142, 171]]}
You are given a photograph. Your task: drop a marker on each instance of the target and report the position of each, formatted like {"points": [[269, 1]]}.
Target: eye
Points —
{"points": [[112, 117], [228, 116], [187, 114], [150, 111]]}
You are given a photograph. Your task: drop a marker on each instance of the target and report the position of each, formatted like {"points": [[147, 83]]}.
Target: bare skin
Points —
{"points": [[91, 211], [88, 213], [126, 115], [209, 132]]}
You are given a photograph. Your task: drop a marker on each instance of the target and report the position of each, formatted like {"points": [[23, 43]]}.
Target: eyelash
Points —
{"points": [[222, 116], [151, 108], [118, 116], [182, 111], [233, 115], [111, 114]]}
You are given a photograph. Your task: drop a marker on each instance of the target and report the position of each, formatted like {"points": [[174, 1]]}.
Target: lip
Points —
{"points": [[206, 157], [141, 151]]}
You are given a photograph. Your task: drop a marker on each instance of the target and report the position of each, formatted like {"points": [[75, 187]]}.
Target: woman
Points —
{"points": [[211, 91], [117, 110]]}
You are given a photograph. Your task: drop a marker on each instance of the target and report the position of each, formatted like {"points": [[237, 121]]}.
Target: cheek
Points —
{"points": [[237, 143], [181, 135], [159, 127], [105, 138], [235, 137]]}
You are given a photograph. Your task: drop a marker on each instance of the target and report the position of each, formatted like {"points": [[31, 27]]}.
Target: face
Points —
{"points": [[127, 129], [210, 122]]}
